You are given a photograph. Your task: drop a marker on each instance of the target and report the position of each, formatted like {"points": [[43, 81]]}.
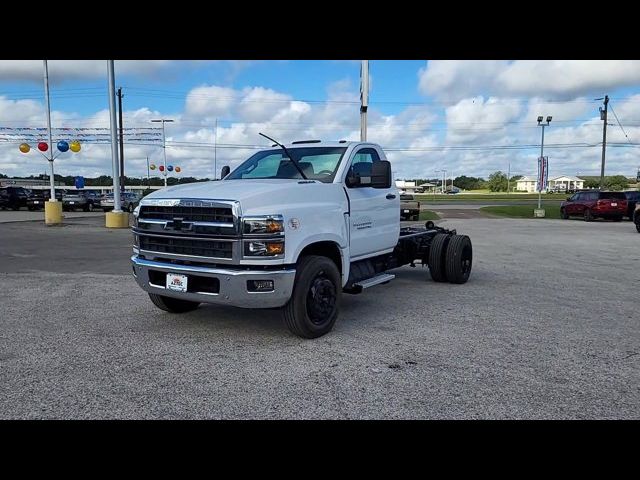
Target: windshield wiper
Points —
{"points": [[295, 162]]}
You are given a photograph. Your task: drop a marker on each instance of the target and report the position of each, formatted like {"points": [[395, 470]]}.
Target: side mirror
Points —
{"points": [[568, 199], [226, 170], [381, 174]]}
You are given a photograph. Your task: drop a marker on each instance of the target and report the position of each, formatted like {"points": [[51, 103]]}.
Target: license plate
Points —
{"points": [[614, 204], [176, 282], [71, 203], [406, 211], [36, 202]]}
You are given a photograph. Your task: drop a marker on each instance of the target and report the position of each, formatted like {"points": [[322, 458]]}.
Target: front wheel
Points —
{"points": [[172, 305], [638, 225], [564, 214], [587, 215], [313, 308]]}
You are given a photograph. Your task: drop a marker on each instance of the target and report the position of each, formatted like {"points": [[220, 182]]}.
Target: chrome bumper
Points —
{"points": [[233, 284]]}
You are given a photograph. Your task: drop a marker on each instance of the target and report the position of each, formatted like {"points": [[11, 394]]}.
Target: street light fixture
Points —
{"points": [[541, 163], [164, 147]]}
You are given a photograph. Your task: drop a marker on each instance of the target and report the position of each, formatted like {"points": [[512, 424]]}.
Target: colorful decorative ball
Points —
{"points": [[152, 166], [75, 146], [43, 147], [24, 147], [170, 168], [178, 169], [161, 168], [63, 146]]}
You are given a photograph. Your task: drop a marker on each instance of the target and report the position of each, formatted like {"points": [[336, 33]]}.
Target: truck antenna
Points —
{"points": [[295, 162]]}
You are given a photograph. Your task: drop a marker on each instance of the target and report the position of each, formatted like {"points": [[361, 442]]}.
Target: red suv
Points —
{"points": [[590, 205]]}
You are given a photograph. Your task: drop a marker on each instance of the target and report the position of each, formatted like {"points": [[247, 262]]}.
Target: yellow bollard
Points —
{"points": [[117, 220], [52, 212]]}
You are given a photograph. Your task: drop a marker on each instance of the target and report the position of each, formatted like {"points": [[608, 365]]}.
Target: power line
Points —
{"points": [[620, 125]]}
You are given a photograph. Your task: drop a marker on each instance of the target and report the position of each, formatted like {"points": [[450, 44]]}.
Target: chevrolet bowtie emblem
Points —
{"points": [[177, 224]]}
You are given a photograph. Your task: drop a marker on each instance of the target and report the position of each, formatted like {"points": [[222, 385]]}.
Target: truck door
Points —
{"points": [[375, 212]]}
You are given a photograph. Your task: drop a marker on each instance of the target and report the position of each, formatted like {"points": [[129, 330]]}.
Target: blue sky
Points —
{"points": [[470, 117]]}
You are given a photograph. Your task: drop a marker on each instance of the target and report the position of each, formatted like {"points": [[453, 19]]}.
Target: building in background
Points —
{"points": [[562, 183]]}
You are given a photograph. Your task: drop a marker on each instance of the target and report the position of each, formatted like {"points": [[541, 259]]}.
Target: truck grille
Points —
{"points": [[186, 246], [188, 214]]}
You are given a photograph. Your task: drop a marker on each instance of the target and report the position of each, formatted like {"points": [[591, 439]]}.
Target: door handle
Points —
{"points": [[390, 196]]}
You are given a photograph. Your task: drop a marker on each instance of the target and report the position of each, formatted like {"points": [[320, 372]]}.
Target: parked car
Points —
{"points": [[38, 198], [593, 204], [409, 208], [633, 197], [85, 200], [129, 201], [4, 199], [14, 197]]}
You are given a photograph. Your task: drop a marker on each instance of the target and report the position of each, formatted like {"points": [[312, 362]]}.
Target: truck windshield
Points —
{"points": [[317, 163]]}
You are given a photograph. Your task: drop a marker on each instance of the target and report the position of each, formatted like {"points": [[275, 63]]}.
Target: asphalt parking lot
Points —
{"points": [[546, 328]]}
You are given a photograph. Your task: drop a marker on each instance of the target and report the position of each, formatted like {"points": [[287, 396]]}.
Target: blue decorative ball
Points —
{"points": [[63, 146]]}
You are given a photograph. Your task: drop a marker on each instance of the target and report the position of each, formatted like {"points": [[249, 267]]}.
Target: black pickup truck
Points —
{"points": [[13, 197]]}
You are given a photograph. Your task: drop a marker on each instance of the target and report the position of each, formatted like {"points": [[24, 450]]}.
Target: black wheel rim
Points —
{"points": [[321, 299]]}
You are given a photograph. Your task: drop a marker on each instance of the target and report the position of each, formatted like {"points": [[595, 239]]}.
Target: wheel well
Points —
{"points": [[325, 249]]}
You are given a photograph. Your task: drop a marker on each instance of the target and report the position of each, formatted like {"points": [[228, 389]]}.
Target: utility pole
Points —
{"points": [[215, 151], [164, 146], [603, 116], [148, 179], [364, 98], [121, 140], [508, 175], [114, 138]]}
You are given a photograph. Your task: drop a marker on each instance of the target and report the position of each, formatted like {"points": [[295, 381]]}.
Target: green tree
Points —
{"points": [[497, 182], [468, 183]]}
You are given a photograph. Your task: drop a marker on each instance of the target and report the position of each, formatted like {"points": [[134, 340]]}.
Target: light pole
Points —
{"points": [[164, 147], [364, 98], [215, 151], [541, 163]]}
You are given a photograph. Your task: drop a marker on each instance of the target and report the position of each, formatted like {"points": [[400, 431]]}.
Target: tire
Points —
{"points": [[563, 214], [587, 215], [459, 259], [638, 226], [172, 305], [130, 208], [313, 307], [437, 252], [90, 207]]}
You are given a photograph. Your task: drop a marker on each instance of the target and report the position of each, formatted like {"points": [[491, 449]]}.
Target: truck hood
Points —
{"points": [[257, 197]]}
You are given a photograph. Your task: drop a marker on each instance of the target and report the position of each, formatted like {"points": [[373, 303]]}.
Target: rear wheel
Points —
{"points": [[313, 308], [564, 214], [437, 253], [173, 305], [587, 215], [638, 226], [459, 258]]}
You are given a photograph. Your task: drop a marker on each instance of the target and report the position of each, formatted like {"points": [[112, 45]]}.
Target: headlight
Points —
{"points": [[136, 211], [263, 224]]}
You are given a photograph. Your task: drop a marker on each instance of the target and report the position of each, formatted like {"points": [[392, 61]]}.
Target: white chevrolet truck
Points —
{"points": [[294, 227]]}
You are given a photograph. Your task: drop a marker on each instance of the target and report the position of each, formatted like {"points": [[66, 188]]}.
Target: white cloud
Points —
{"points": [[420, 138], [452, 80]]}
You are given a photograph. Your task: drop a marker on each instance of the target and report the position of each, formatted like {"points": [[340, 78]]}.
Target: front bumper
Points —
{"points": [[233, 284]]}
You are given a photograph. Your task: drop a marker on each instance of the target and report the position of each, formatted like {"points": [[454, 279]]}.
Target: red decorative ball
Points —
{"points": [[43, 147], [161, 168]]}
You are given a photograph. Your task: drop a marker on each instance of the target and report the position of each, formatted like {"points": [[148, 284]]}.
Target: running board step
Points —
{"points": [[377, 280]]}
